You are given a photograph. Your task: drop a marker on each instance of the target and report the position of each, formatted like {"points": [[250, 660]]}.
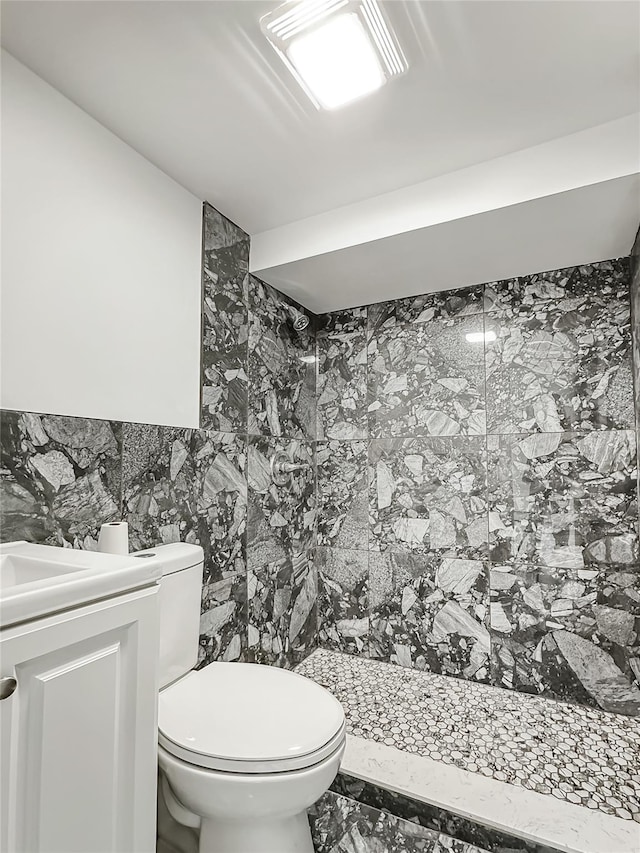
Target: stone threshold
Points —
{"points": [[542, 820], [413, 737]]}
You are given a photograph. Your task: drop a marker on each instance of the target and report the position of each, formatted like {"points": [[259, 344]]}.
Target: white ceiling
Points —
{"points": [[194, 88]]}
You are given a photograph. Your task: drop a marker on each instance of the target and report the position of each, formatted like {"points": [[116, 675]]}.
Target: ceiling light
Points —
{"points": [[337, 61], [480, 337], [338, 50]]}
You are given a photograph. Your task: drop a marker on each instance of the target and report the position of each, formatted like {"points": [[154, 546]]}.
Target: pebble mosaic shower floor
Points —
{"points": [[579, 755]]}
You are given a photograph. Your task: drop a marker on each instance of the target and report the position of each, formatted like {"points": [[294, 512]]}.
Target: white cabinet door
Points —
{"points": [[79, 734]]}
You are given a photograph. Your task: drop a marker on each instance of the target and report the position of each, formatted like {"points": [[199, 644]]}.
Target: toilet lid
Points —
{"points": [[249, 718]]}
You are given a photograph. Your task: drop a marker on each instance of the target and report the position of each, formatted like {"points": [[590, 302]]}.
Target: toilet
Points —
{"points": [[243, 749]]}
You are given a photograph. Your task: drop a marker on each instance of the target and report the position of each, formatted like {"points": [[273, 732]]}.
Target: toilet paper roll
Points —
{"points": [[114, 538]]}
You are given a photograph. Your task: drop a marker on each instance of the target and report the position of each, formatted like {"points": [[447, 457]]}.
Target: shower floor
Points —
{"points": [[513, 756]]}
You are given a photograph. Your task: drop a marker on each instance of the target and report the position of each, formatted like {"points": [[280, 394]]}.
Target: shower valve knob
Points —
{"points": [[282, 468]]}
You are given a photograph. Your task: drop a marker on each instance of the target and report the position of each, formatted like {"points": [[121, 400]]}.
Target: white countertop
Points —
{"points": [[68, 578]]}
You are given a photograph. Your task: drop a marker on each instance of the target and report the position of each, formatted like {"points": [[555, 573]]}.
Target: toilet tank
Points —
{"points": [[180, 593]]}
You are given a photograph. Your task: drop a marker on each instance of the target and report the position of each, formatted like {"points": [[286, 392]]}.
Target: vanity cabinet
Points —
{"points": [[79, 733]]}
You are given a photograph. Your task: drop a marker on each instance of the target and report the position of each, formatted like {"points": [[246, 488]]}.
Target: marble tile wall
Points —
{"points": [[635, 326], [431, 817], [225, 323], [491, 432], [63, 477], [60, 480], [188, 485], [340, 824]]}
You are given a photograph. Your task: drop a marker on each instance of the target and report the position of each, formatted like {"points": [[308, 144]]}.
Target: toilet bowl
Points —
{"points": [[244, 750]]}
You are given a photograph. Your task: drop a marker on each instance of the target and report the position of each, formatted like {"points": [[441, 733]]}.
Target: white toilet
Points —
{"points": [[243, 749]]}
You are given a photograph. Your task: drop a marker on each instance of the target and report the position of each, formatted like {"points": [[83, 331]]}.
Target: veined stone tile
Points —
{"points": [[434, 818], [343, 614], [281, 518], [561, 357], [347, 321], [184, 485], [430, 616], [342, 825], [563, 499], [343, 497], [635, 320], [223, 620], [427, 378], [342, 375], [462, 302], [282, 606], [61, 478], [602, 282], [281, 367], [568, 633], [428, 495], [225, 326]]}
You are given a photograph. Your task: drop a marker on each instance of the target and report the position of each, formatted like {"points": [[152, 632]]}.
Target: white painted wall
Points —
{"points": [[100, 297]]}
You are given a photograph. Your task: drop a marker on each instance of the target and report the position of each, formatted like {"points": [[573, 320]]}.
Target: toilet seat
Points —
{"points": [[282, 765], [249, 718]]}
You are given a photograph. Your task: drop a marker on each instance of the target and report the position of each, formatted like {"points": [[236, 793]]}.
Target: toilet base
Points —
{"points": [[284, 835], [246, 812]]}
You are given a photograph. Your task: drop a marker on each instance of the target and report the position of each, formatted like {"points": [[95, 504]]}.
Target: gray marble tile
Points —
{"points": [[563, 499], [430, 616], [342, 375], [432, 817], [342, 825], [223, 620], [602, 282], [281, 518], [427, 378], [343, 496], [569, 634], [561, 358], [343, 601], [225, 328], [282, 611], [61, 478], [635, 330], [428, 495], [281, 367], [573, 753], [183, 485], [462, 302]]}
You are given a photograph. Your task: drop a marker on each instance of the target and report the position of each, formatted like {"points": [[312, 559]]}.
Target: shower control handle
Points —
{"points": [[7, 686], [282, 468], [290, 467]]}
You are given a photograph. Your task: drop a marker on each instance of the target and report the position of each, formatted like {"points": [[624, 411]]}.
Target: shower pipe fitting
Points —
{"points": [[282, 468]]}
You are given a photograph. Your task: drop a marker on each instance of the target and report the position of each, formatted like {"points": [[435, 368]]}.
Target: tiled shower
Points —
{"points": [[464, 502], [477, 486]]}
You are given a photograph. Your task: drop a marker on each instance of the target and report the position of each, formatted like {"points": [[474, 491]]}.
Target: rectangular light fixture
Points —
{"points": [[338, 50], [480, 337]]}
